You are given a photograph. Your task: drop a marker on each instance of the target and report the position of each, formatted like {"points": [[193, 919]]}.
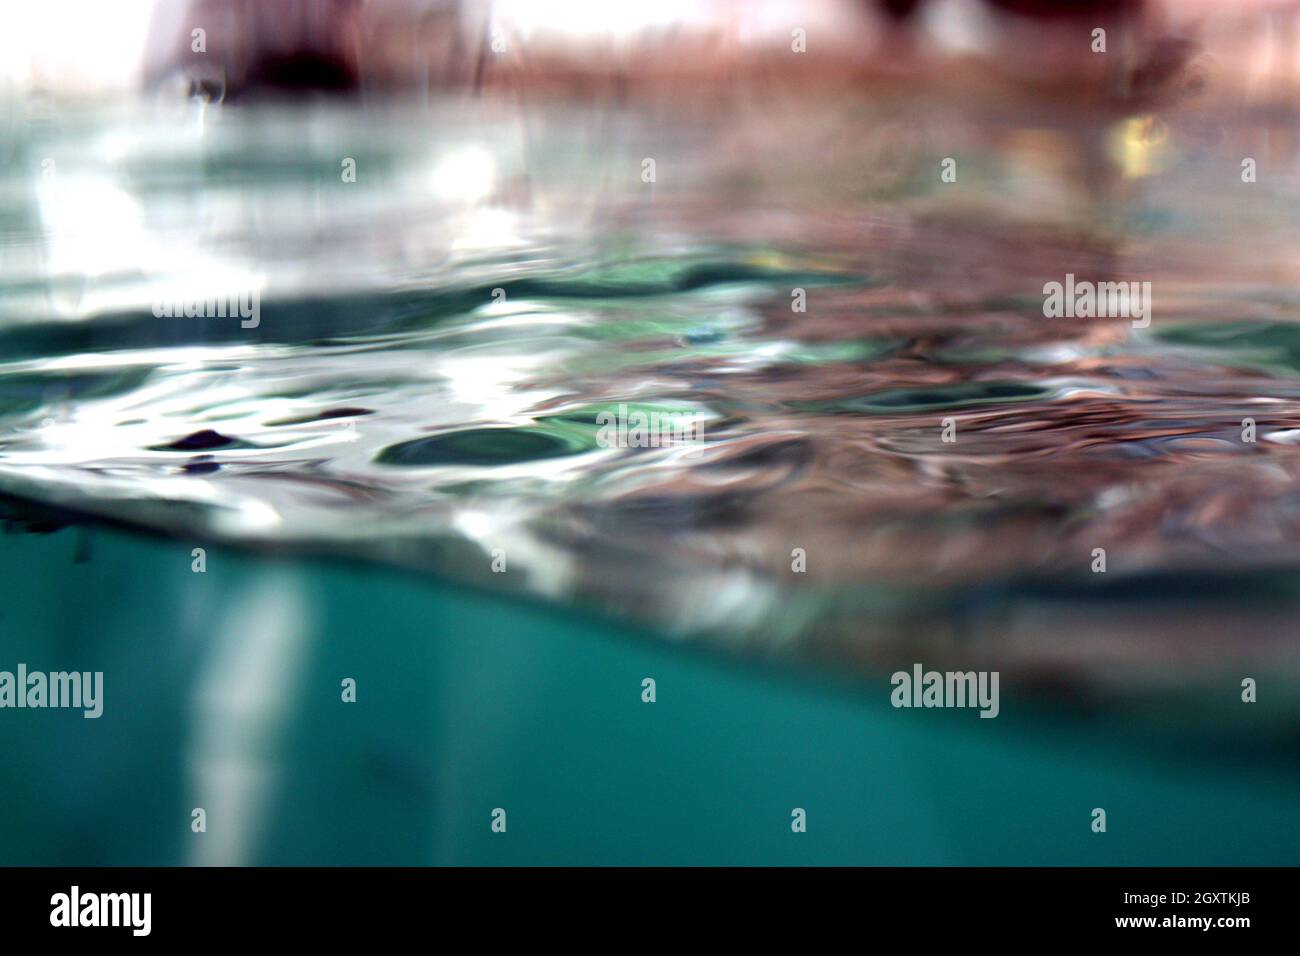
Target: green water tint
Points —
{"points": [[664, 284], [353, 463], [589, 418], [26, 392], [311, 322], [392, 408], [1272, 346], [644, 278], [963, 395], [467, 702], [553, 436], [488, 446]]}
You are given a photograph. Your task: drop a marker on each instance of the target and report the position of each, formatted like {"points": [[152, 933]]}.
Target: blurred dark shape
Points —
{"points": [[1072, 9], [305, 71], [1039, 9], [1164, 69], [206, 438], [899, 9], [254, 47]]}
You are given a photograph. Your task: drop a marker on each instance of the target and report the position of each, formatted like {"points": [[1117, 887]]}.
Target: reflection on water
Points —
{"points": [[438, 338], [247, 695]]}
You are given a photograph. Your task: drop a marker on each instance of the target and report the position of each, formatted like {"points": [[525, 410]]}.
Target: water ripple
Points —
{"points": [[945, 458]]}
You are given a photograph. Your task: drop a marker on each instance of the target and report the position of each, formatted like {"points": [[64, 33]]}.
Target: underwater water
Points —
{"points": [[397, 475]]}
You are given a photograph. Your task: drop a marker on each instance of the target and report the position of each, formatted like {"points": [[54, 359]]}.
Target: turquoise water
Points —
{"points": [[398, 476], [222, 691]]}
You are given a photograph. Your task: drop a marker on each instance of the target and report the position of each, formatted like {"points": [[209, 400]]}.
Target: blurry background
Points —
{"points": [[78, 47], [440, 329]]}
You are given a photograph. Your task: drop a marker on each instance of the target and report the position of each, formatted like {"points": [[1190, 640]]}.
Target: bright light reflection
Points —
{"points": [[467, 175]]}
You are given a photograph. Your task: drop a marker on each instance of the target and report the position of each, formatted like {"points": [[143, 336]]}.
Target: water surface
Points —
{"points": [[437, 339]]}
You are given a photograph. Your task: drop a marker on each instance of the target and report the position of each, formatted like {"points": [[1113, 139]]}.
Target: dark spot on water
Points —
{"points": [[32, 526], [198, 440], [703, 336], [936, 397], [199, 466], [328, 414], [84, 547], [478, 446]]}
